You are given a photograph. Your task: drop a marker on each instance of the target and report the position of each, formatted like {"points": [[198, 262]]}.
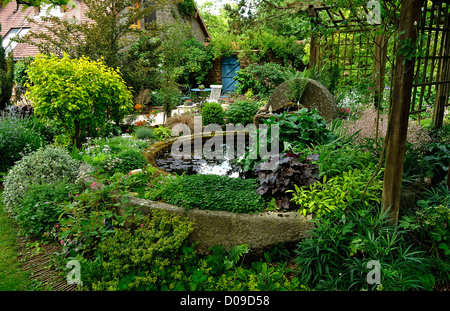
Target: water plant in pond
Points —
{"points": [[224, 165]]}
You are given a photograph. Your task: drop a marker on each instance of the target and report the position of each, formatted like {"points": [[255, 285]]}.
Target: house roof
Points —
{"points": [[10, 20], [202, 24]]}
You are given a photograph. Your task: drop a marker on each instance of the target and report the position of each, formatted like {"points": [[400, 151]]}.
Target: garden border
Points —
{"points": [[261, 231]]}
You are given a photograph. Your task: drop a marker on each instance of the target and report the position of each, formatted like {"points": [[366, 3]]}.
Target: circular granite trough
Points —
{"points": [[260, 231]]}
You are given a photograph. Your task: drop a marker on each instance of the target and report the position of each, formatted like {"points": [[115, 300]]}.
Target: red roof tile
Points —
{"points": [[9, 20]]}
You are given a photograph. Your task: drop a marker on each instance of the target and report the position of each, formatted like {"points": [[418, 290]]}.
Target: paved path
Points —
{"points": [[159, 120]]}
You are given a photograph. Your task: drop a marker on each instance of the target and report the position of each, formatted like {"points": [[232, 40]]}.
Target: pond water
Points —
{"points": [[225, 164]]}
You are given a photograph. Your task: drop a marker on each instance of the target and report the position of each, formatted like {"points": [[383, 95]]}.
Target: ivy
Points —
{"points": [[187, 7]]}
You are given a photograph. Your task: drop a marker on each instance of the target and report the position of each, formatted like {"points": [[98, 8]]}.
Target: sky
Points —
{"points": [[218, 3]]}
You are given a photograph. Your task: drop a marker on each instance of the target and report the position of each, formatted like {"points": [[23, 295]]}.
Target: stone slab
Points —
{"points": [[315, 96]]}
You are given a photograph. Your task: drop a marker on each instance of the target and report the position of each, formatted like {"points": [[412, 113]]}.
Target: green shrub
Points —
{"points": [[39, 210], [162, 132], [46, 165], [212, 113], [20, 71], [144, 132], [130, 160], [6, 77], [16, 140], [302, 128], [79, 94], [336, 254], [338, 192], [336, 158], [212, 192], [429, 225], [262, 79], [242, 112], [34, 123], [153, 254]]}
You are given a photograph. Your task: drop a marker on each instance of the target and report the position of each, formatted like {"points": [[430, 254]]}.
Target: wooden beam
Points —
{"points": [[448, 175], [314, 48], [442, 90], [379, 63], [399, 111]]}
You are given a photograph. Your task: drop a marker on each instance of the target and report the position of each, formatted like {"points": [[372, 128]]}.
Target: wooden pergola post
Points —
{"points": [[399, 111], [380, 56], [448, 176], [314, 48], [442, 89]]}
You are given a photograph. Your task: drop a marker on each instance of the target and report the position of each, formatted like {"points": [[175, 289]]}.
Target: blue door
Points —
{"points": [[229, 67]]}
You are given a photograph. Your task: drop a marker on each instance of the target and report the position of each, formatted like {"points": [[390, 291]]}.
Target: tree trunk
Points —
{"points": [[448, 175], [399, 111], [314, 49]]}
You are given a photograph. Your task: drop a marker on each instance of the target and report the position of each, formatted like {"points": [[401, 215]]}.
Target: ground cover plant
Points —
{"points": [[212, 192]]}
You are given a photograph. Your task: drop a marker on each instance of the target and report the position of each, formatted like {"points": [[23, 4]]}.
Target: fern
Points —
{"points": [[221, 260]]}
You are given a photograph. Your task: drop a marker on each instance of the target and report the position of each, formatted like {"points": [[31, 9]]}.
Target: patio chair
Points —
{"points": [[185, 92], [215, 93]]}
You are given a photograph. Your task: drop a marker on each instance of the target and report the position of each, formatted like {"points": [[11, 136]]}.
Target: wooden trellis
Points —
{"points": [[350, 43], [359, 51], [348, 46], [421, 67], [431, 84]]}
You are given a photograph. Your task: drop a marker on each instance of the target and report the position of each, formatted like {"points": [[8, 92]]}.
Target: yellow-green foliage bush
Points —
{"points": [[151, 255], [338, 192], [80, 94]]}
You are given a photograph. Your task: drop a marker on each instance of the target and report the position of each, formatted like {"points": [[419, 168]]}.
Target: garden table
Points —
{"points": [[201, 96], [201, 90]]}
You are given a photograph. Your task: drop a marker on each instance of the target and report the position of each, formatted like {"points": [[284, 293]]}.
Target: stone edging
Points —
{"points": [[261, 231]]}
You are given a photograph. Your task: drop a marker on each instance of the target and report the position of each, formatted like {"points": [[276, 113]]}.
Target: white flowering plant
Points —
{"points": [[105, 154], [46, 165]]}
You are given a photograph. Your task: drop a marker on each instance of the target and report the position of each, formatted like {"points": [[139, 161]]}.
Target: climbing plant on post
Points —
{"points": [[400, 107]]}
